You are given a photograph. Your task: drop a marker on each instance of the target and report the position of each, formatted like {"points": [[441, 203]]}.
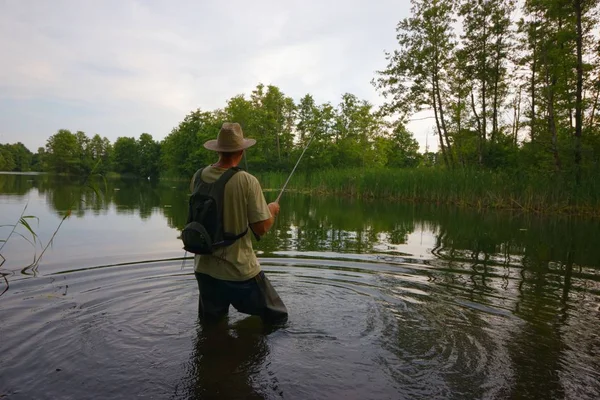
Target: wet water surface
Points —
{"points": [[386, 301]]}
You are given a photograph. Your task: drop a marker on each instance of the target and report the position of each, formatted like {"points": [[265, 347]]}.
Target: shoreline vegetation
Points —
{"points": [[474, 189], [481, 190]]}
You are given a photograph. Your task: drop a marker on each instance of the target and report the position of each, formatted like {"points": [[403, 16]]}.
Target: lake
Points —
{"points": [[386, 301]]}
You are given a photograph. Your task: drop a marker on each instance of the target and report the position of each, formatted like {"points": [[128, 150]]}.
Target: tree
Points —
{"points": [[483, 58], [15, 157], [62, 152], [356, 128], [149, 153], [86, 163], [99, 153], [7, 162], [38, 161], [403, 149], [273, 116], [126, 158], [417, 73], [182, 151]]}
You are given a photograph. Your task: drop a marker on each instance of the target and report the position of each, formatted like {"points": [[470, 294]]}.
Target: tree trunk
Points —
{"points": [[595, 105], [579, 94], [436, 92], [443, 123], [480, 140], [437, 123], [550, 86], [496, 94], [532, 89], [459, 127], [484, 88], [516, 117]]}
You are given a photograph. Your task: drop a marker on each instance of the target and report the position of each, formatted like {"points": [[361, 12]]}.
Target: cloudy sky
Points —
{"points": [[120, 68]]}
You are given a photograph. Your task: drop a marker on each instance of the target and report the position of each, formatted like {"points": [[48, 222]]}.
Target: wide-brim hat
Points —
{"points": [[230, 139]]}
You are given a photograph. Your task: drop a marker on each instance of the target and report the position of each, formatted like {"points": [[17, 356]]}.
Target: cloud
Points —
{"points": [[120, 68]]}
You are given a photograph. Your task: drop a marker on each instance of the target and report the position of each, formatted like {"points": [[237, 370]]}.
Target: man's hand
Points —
{"points": [[274, 208]]}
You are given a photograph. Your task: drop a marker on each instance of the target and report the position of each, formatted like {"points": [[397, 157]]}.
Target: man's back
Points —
{"points": [[244, 204]]}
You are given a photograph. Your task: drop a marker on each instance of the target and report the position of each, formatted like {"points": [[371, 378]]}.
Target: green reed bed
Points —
{"points": [[468, 188]]}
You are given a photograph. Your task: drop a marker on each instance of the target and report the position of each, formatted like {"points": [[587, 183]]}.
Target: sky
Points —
{"points": [[121, 68]]}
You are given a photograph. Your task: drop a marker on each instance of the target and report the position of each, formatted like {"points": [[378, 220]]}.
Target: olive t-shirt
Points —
{"points": [[244, 204]]}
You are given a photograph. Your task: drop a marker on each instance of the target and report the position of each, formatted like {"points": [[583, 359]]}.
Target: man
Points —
{"points": [[232, 274]]}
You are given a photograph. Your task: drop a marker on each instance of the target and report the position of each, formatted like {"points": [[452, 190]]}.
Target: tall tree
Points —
{"points": [[126, 158], [149, 153], [83, 152], [485, 50], [417, 73], [586, 32], [99, 153], [62, 152]]}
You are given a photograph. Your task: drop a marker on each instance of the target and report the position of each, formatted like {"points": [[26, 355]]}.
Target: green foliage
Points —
{"points": [[38, 160], [402, 149], [471, 188], [100, 153], [505, 93], [15, 157], [7, 162], [62, 153], [182, 151], [125, 156], [149, 153], [352, 134]]}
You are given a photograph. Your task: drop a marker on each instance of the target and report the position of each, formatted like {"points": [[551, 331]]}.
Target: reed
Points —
{"points": [[480, 189]]}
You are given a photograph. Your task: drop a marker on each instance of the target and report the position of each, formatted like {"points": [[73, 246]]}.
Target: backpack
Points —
{"points": [[204, 231]]}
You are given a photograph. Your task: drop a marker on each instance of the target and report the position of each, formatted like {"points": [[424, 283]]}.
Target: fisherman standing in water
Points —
{"points": [[229, 273]]}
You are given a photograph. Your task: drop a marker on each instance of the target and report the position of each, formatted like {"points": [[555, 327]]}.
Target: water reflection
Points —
{"points": [[512, 301], [224, 361]]}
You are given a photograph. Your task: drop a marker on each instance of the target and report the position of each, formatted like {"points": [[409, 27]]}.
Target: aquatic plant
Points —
{"points": [[23, 221], [469, 188]]}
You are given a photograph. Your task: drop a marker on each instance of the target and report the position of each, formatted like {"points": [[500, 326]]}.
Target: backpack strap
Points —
{"points": [[227, 175], [198, 178], [228, 238], [223, 179]]}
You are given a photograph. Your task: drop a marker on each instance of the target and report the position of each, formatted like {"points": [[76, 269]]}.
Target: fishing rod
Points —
{"points": [[295, 166]]}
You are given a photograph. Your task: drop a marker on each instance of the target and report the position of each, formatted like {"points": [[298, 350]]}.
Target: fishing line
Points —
{"points": [[295, 166]]}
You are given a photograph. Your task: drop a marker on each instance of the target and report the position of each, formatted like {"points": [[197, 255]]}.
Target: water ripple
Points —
{"points": [[361, 327]]}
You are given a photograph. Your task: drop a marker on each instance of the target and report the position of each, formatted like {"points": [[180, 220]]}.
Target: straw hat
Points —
{"points": [[229, 139]]}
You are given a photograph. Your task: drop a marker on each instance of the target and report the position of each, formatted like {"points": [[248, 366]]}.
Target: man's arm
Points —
{"points": [[262, 227]]}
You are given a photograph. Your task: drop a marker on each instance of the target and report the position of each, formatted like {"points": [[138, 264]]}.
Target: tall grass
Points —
{"points": [[466, 188]]}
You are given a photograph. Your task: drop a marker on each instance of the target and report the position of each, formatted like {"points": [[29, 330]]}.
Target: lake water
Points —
{"points": [[386, 301]]}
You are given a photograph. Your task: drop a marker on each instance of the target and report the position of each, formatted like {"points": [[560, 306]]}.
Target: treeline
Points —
{"points": [[352, 133], [511, 86], [509, 83], [77, 154], [17, 157]]}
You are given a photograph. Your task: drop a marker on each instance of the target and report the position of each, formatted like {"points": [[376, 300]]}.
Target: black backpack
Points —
{"points": [[204, 232]]}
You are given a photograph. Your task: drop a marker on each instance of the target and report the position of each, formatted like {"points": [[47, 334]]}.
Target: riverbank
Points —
{"points": [[556, 194]]}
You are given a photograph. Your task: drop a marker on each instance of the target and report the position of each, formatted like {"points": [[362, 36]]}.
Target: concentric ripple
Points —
{"points": [[360, 327]]}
